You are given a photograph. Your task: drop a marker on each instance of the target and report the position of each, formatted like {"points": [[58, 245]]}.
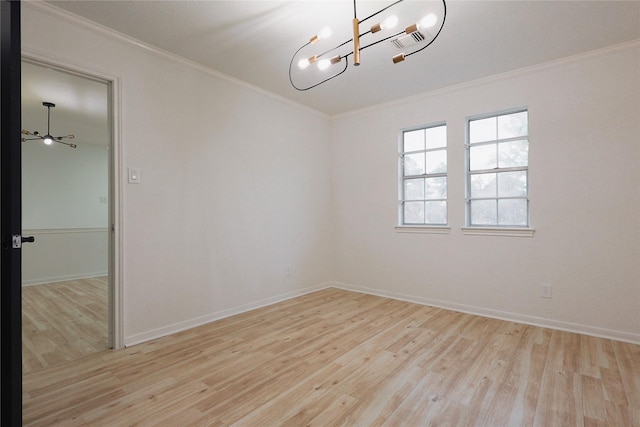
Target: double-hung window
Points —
{"points": [[497, 170], [423, 176]]}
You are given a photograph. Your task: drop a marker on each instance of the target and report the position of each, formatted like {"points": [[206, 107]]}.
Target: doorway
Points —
{"points": [[68, 207]]}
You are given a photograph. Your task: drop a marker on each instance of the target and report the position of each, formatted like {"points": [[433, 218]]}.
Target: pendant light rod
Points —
{"points": [[48, 105]]}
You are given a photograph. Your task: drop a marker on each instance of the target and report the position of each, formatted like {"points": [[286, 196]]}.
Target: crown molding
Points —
{"points": [[496, 78], [54, 11]]}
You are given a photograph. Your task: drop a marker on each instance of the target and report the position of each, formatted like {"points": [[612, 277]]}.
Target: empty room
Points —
{"points": [[427, 215]]}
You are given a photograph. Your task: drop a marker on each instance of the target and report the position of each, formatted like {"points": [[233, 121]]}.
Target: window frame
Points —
{"points": [[497, 228], [426, 226]]}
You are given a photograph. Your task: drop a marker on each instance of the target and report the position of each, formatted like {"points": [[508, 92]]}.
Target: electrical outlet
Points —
{"points": [[288, 271], [546, 290]]}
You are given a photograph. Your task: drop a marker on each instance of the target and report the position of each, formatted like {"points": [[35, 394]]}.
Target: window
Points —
{"points": [[497, 170], [423, 176]]}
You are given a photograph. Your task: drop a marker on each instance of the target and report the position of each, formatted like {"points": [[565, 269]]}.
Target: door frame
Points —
{"points": [[115, 327]]}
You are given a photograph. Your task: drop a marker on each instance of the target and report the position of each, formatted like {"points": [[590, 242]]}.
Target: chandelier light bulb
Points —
{"points": [[389, 22], [428, 21], [325, 33], [323, 64], [48, 140], [303, 63]]}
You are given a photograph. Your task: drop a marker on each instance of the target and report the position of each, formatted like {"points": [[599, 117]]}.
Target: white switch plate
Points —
{"points": [[546, 291], [134, 176]]}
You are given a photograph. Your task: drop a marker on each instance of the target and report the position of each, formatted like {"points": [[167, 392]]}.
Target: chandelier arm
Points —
{"points": [[65, 143], [444, 18], [381, 10], [346, 65], [334, 48], [296, 53], [292, 59]]}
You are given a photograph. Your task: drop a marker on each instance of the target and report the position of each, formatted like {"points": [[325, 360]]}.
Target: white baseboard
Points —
{"points": [[44, 280], [198, 321], [479, 311], [501, 315]]}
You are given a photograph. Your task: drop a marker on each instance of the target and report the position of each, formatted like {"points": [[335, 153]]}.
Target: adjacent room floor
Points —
{"points": [[63, 321]]}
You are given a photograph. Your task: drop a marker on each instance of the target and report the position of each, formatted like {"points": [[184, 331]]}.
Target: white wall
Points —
{"points": [[61, 254], [64, 206], [64, 187], [584, 175], [235, 184]]}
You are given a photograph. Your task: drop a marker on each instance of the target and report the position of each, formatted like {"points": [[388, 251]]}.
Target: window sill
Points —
{"points": [[498, 231], [429, 229]]}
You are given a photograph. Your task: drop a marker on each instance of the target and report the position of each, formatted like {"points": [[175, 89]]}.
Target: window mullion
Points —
{"points": [[498, 170]]}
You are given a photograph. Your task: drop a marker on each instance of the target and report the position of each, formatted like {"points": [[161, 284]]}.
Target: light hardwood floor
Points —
{"points": [[341, 358], [63, 321]]}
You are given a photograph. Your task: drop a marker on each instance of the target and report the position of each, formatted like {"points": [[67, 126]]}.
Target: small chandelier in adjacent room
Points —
{"points": [[48, 139], [416, 36]]}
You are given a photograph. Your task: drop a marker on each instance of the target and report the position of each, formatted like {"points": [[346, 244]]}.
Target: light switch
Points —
{"points": [[134, 176]]}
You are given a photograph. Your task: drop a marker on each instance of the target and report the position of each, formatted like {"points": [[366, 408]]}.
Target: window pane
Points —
{"points": [[437, 161], [414, 164], [414, 212], [414, 140], [435, 188], [436, 212], [414, 189], [483, 212], [482, 130], [512, 212], [483, 185], [513, 125], [436, 137], [513, 154], [483, 157], [512, 184]]}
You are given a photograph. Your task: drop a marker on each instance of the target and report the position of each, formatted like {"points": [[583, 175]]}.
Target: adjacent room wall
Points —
{"points": [[64, 205], [233, 208], [583, 177]]}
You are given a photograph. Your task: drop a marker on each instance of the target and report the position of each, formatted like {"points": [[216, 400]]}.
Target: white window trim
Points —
{"points": [[499, 231], [425, 229], [420, 228], [493, 230]]}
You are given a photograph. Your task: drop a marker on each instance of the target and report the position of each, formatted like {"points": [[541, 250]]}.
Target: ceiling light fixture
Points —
{"points": [[48, 139], [417, 35]]}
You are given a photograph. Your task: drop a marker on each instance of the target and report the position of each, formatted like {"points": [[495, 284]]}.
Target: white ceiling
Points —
{"points": [[254, 41]]}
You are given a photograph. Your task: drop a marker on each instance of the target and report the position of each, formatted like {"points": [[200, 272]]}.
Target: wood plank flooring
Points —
{"points": [[63, 321], [339, 358]]}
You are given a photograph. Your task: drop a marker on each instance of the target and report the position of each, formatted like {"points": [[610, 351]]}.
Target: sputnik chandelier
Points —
{"points": [[48, 139], [331, 63]]}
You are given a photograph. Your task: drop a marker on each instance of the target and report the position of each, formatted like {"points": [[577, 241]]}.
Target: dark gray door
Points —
{"points": [[10, 218]]}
